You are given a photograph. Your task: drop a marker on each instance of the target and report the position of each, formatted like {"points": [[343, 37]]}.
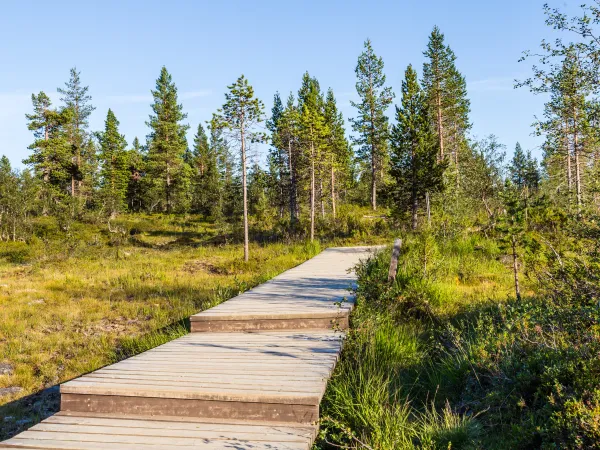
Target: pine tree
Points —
{"points": [[78, 109], [278, 164], [229, 179], [205, 179], [523, 170], [569, 77], [313, 131], [338, 150], [239, 116], [445, 89], [288, 138], [18, 194], [415, 167], [511, 227], [8, 192], [114, 167], [51, 153], [257, 194], [168, 174], [371, 125], [136, 159]]}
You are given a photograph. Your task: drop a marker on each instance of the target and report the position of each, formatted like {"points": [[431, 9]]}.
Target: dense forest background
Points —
{"points": [[420, 165]]}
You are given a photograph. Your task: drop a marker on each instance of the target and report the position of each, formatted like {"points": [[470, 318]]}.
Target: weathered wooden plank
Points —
{"points": [[200, 386], [242, 377], [239, 433], [227, 394], [156, 406], [174, 424], [200, 421], [85, 442]]}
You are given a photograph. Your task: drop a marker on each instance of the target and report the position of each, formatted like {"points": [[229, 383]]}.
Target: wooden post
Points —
{"points": [[394, 260]]}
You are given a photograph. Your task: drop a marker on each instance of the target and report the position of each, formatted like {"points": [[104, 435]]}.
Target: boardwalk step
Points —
{"points": [[313, 295], [86, 431], [278, 376]]}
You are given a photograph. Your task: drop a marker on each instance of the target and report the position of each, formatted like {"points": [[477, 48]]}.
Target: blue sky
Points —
{"points": [[120, 46]]}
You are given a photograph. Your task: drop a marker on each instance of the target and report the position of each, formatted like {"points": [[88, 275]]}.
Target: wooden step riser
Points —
{"points": [[197, 408], [232, 326]]}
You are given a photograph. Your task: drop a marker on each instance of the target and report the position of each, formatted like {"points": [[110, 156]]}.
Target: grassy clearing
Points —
{"points": [[71, 303]]}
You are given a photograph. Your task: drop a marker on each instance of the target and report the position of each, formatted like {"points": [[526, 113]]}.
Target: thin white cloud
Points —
{"points": [[492, 84]]}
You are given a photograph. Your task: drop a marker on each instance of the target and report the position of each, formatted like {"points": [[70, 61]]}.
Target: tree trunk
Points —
{"points": [[415, 200], [332, 190], [312, 191], [293, 195], [515, 267], [577, 167], [374, 155], [427, 204], [456, 146], [440, 126], [245, 195], [568, 160], [321, 194], [281, 184], [373, 178], [168, 189], [168, 181], [415, 209], [46, 176]]}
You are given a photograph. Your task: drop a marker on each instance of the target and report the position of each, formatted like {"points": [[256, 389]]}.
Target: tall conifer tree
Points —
{"points": [[205, 180], [239, 116], [371, 124], [78, 108], [136, 159], [446, 94], [51, 157], [278, 164], [114, 167], [167, 143], [415, 166], [284, 128], [313, 131], [338, 155]]}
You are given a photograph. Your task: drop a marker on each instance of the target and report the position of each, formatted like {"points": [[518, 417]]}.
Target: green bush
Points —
{"points": [[15, 252]]}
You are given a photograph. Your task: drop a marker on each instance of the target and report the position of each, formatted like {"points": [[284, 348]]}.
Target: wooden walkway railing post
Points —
{"points": [[394, 260]]}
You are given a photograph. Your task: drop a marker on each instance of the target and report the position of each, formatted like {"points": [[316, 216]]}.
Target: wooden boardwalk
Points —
{"points": [[251, 375]]}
